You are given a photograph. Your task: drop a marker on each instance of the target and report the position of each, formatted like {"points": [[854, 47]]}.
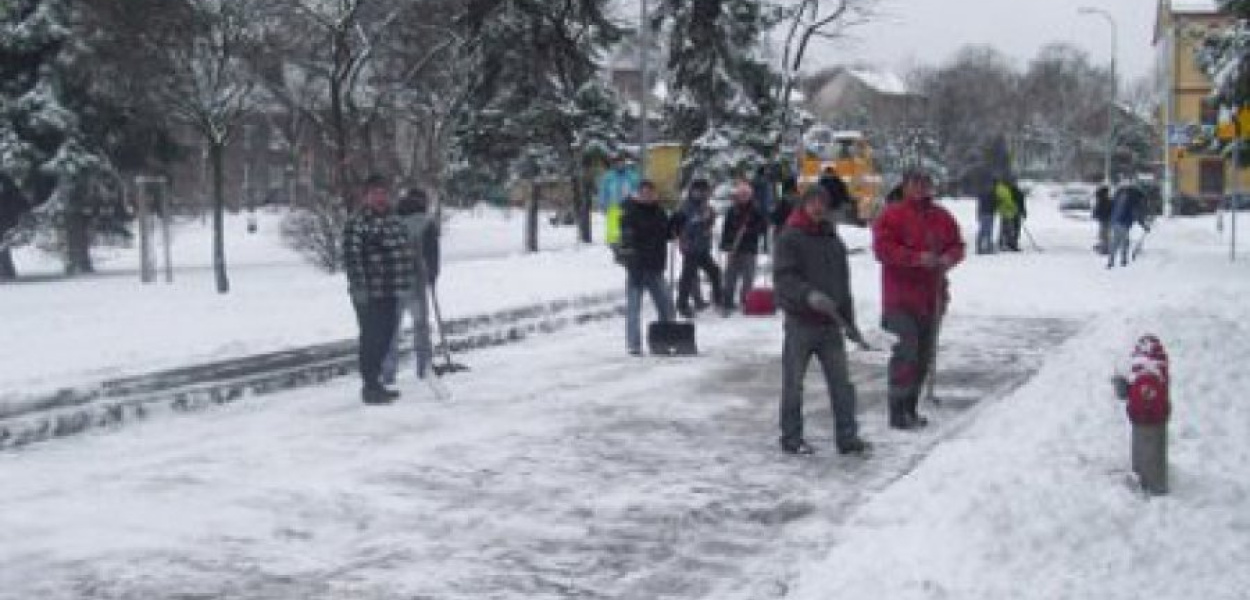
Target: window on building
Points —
{"points": [[277, 176], [1211, 176], [1210, 112]]}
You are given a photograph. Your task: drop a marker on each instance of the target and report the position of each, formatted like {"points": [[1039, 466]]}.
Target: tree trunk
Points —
{"points": [[77, 242], [338, 123], [8, 269], [581, 201], [531, 218], [216, 155]]}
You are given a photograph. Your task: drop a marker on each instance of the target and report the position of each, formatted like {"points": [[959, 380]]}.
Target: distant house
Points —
{"points": [[861, 98]]}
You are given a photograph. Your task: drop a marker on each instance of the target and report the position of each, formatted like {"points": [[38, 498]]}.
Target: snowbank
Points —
{"points": [[1034, 500]]}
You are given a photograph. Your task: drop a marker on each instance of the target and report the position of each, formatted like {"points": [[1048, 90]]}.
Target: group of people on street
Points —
{"points": [[390, 253], [916, 240], [1003, 200], [391, 257]]}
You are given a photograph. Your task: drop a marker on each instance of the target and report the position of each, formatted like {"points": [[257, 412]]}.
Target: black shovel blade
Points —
{"points": [[670, 338], [441, 370]]}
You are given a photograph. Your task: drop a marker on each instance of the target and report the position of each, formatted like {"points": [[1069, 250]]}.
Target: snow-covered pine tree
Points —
{"points": [[720, 85], [534, 59], [42, 151], [1224, 55]]}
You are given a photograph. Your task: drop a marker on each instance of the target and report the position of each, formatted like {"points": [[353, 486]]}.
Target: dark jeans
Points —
{"points": [[909, 361], [691, 264], [802, 340], [739, 269], [636, 284], [377, 319], [1009, 234]]}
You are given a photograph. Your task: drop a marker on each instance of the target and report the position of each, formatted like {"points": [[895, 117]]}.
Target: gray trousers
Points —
{"points": [[739, 267], [802, 340], [416, 304]]}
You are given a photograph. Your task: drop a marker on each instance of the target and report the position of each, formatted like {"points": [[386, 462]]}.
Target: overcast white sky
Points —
{"points": [[906, 33], [911, 32]]}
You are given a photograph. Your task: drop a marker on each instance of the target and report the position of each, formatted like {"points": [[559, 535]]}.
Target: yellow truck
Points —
{"points": [[850, 156]]}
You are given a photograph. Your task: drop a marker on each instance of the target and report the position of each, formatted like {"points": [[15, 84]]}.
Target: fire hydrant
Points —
{"points": [[1149, 405]]}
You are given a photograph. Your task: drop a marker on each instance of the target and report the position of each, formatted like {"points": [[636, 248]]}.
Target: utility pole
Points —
{"points": [[644, 91], [1106, 169]]}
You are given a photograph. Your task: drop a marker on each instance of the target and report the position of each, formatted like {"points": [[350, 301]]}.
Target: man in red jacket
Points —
{"points": [[917, 242]]}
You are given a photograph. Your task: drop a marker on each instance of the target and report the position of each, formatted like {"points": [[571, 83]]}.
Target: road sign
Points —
{"points": [[1179, 135]]}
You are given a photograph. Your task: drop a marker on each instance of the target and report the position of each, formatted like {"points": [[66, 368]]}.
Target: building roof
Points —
{"points": [[1165, 11], [883, 82]]}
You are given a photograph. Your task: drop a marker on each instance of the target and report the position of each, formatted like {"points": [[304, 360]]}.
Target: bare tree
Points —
{"points": [[207, 82], [1065, 97], [804, 21], [328, 70], [971, 102]]}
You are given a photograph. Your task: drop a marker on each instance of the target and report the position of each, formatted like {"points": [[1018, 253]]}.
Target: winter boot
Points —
{"points": [[855, 445], [378, 395], [801, 448]]}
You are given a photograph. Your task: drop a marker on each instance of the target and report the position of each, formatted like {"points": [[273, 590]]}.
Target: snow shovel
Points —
{"points": [[1029, 234], [1137, 247], [931, 380], [448, 365], [671, 338]]}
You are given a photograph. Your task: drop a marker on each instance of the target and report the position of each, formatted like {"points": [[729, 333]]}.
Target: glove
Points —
{"points": [[822, 303], [935, 261]]}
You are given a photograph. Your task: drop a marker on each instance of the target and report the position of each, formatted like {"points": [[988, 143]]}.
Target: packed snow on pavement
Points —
{"points": [[562, 468]]}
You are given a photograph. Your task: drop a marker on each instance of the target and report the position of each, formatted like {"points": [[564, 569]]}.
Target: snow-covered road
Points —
{"points": [[560, 469]]}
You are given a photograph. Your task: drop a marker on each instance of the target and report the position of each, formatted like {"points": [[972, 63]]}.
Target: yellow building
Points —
{"points": [[1197, 177]]}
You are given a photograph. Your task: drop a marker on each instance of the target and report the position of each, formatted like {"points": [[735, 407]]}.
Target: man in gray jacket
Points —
{"points": [[422, 227], [812, 282]]}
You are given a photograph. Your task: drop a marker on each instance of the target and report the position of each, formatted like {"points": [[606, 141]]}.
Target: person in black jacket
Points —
{"points": [[1102, 215], [835, 189], [811, 277], [785, 204], [694, 223], [645, 233], [745, 225], [379, 260]]}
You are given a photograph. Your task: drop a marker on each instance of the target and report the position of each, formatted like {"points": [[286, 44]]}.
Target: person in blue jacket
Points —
{"points": [[1128, 207], [618, 184]]}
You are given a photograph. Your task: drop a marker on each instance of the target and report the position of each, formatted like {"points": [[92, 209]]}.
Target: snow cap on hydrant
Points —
{"points": [[1149, 382]]}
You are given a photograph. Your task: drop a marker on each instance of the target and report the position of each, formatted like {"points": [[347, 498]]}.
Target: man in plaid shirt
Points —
{"points": [[380, 265]]}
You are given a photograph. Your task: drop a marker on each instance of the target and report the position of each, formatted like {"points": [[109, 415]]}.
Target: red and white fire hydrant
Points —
{"points": [[1149, 405]]}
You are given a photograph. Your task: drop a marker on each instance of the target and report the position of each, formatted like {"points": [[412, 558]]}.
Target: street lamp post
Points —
{"points": [[1106, 168], [643, 104]]}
